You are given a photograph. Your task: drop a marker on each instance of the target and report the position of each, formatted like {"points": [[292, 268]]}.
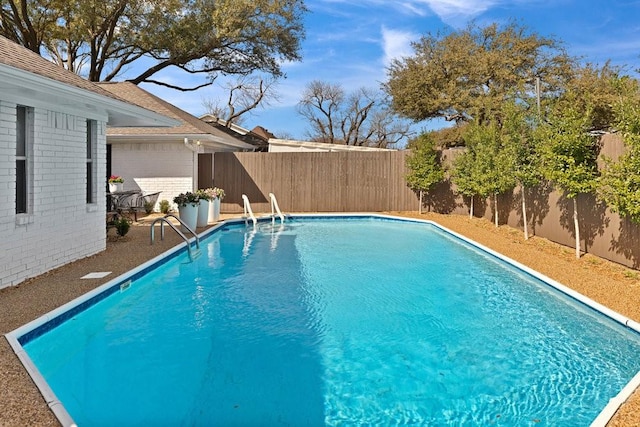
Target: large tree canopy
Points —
{"points": [[100, 39], [468, 74]]}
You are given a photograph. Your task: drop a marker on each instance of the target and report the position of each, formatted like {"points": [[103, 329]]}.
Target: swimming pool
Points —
{"points": [[325, 321]]}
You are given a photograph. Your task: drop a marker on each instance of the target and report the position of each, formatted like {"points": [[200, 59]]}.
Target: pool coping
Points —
{"points": [[54, 317]]}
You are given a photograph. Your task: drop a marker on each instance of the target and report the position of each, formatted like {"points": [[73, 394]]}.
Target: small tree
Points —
{"points": [[620, 181], [466, 175], [518, 138], [494, 162], [424, 165], [569, 154]]}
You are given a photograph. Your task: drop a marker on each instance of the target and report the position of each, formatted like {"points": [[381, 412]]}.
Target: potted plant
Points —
{"points": [[205, 206], [116, 183], [216, 195], [188, 209]]}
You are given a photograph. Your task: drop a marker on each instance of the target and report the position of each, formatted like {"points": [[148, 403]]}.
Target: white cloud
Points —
{"points": [[396, 44], [458, 12]]}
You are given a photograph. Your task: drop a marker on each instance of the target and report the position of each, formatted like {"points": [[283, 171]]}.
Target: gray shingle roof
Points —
{"points": [[17, 56], [136, 95]]}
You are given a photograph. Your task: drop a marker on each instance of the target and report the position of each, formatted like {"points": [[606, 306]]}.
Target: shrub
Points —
{"points": [[122, 225], [148, 207], [164, 206]]}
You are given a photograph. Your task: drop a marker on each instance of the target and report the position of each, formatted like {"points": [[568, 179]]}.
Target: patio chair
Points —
{"points": [[141, 201]]}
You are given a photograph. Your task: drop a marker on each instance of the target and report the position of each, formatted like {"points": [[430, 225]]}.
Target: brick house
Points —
{"points": [[53, 162], [169, 160]]}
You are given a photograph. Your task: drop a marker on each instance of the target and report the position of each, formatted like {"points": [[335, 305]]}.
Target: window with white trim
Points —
{"points": [[24, 142], [91, 155]]}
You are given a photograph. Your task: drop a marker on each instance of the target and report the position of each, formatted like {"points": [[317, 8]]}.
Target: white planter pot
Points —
{"points": [[189, 215], [203, 213], [214, 210], [115, 187]]}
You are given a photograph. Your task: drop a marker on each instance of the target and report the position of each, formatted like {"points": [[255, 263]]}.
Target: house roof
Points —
{"points": [[258, 137], [189, 126], [27, 75]]}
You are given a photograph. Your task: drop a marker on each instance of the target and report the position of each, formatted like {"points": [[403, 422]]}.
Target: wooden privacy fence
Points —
{"points": [[315, 182], [375, 182]]}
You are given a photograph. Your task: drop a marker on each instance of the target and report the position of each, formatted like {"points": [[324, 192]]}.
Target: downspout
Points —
{"points": [[195, 149]]}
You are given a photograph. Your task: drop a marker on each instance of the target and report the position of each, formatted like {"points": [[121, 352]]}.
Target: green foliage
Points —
{"points": [[597, 90], [487, 166], [519, 141], [469, 74], [619, 185], [568, 151], [102, 38], [452, 136], [122, 225], [464, 174], [148, 207], [424, 164], [188, 198], [165, 206]]}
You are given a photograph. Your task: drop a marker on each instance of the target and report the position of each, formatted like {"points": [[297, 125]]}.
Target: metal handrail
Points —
{"points": [[247, 209], [164, 220], [274, 204]]}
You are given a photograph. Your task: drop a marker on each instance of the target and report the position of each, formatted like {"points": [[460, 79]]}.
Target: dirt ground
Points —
{"points": [[22, 405]]}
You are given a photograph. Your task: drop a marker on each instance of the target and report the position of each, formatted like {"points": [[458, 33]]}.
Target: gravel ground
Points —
{"points": [[22, 405]]}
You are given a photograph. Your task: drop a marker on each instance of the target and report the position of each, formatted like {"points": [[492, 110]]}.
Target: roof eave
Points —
{"points": [[205, 140], [23, 84]]}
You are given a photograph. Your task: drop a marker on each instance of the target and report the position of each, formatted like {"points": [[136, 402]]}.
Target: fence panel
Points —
{"points": [[375, 182], [315, 182]]}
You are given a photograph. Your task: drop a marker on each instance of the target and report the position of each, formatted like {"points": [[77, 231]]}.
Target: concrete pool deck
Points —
{"points": [[22, 404]]}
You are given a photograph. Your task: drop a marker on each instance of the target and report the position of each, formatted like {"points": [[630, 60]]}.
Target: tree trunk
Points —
{"points": [[524, 215], [420, 207], [471, 208], [576, 226], [495, 208]]}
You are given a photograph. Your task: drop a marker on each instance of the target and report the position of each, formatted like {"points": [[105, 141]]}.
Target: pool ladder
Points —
{"points": [[275, 208], [164, 220], [248, 210]]}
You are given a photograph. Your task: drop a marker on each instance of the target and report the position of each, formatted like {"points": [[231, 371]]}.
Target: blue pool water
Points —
{"points": [[336, 322]]}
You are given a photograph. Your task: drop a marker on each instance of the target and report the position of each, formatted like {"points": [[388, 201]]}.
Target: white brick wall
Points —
{"points": [[60, 226], [168, 167]]}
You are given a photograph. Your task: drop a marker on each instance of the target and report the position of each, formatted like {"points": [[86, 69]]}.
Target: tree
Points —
{"points": [[569, 154], [595, 89], [245, 94], [494, 161], [424, 165], [101, 39], [518, 139], [619, 184], [465, 176], [361, 118], [467, 75]]}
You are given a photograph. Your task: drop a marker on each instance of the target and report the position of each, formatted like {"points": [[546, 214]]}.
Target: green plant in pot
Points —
{"points": [[184, 199]]}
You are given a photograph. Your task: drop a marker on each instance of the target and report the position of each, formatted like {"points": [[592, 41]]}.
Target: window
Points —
{"points": [[91, 154], [23, 146]]}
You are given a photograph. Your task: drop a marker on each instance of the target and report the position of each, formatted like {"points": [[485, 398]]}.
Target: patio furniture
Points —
{"points": [[141, 201]]}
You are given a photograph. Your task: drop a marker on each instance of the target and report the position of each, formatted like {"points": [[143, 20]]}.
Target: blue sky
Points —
{"points": [[350, 42]]}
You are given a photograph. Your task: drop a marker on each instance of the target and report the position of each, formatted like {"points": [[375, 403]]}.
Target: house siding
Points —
{"points": [[60, 227], [168, 167]]}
